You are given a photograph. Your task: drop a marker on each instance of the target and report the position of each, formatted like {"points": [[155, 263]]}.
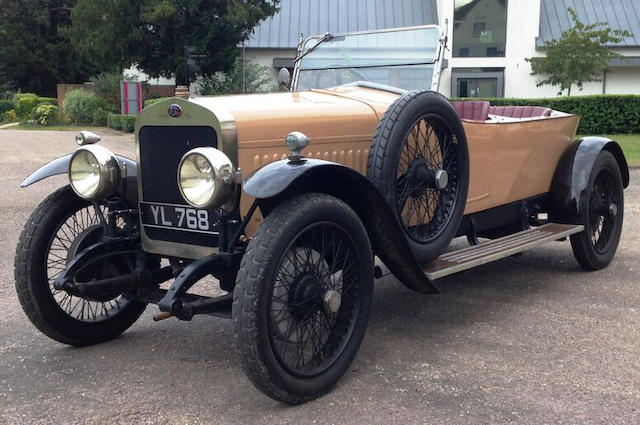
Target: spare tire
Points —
{"points": [[419, 160]]}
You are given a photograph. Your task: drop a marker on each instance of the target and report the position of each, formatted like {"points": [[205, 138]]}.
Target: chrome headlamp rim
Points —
{"points": [[221, 175], [106, 167]]}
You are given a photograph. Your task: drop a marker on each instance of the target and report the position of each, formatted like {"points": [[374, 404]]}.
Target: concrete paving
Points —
{"points": [[527, 340]]}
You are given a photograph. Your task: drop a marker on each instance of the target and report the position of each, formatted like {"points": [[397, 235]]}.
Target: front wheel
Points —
{"points": [[302, 297], [601, 213], [61, 227]]}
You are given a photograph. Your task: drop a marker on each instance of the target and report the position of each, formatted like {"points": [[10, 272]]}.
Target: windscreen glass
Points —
{"points": [[403, 59]]}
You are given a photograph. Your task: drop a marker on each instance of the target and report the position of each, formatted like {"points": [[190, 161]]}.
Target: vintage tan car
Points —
{"points": [[287, 198]]}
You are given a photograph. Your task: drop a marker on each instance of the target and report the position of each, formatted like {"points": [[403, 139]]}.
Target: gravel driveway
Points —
{"points": [[529, 339]]}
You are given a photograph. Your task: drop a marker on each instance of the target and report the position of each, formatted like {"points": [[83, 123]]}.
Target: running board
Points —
{"points": [[473, 256]]}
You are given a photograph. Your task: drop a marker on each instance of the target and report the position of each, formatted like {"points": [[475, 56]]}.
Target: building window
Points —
{"points": [[477, 82], [479, 28]]}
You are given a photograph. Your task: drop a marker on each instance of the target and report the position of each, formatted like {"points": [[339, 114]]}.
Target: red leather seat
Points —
{"points": [[475, 110], [520, 111]]}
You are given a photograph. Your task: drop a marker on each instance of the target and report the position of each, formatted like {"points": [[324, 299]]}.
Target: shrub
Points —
{"points": [[121, 122], [150, 102], [12, 116], [114, 121], [5, 106], [25, 105], [46, 115], [107, 87], [47, 101], [100, 117], [80, 105], [127, 123], [600, 114]]}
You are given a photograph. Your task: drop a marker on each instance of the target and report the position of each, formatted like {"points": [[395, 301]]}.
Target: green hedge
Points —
{"points": [[150, 102], [113, 121], [600, 114], [26, 104], [127, 123], [121, 122]]}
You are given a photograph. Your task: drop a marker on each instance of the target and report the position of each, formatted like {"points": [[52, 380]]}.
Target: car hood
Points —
{"points": [[345, 113]]}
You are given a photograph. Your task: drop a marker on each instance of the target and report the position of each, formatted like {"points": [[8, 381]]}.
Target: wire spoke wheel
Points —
{"points": [[603, 205], [61, 227], [602, 213], [79, 230], [314, 299], [427, 180], [419, 161], [302, 297]]}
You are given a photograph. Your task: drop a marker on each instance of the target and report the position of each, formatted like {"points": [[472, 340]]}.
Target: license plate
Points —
{"points": [[177, 217]]}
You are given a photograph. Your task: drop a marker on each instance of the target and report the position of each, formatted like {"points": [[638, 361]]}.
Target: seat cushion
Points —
{"points": [[520, 111], [476, 110]]}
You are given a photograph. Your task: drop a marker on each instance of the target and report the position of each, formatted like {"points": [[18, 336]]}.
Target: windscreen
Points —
{"points": [[398, 58]]}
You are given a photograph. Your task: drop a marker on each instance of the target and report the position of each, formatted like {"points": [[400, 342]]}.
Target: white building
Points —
{"points": [[489, 40]]}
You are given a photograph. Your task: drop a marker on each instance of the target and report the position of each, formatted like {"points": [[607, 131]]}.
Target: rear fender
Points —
{"points": [[571, 178], [280, 180], [61, 166]]}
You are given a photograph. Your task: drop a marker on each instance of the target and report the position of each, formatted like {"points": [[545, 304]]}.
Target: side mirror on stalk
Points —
{"points": [[284, 79]]}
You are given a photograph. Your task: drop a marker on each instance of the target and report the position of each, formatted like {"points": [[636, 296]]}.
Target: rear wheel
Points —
{"points": [[61, 227], [302, 297], [420, 163], [602, 214]]}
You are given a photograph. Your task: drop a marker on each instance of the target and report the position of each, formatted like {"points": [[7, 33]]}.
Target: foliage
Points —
{"points": [[114, 121], [7, 85], [100, 116], [580, 55], [602, 114], [36, 50], [127, 123], [46, 115], [47, 101], [12, 116], [150, 102], [25, 105], [153, 33], [244, 77], [81, 104], [121, 122], [107, 86], [5, 106]]}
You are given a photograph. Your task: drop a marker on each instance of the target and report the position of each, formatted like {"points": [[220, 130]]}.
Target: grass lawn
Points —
{"points": [[630, 144]]}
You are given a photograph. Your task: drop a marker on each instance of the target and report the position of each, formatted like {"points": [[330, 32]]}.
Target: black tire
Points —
{"points": [[602, 213], [419, 136], [41, 252], [264, 334]]}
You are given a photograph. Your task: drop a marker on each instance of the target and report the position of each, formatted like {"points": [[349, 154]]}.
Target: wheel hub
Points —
{"points": [[309, 294], [332, 301], [421, 178]]}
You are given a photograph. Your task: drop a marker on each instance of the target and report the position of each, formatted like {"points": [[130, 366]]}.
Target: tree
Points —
{"points": [[578, 56], [36, 52], [244, 77], [152, 33]]}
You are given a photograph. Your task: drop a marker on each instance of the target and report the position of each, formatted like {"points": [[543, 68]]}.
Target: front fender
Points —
{"points": [[571, 178], [275, 182], [61, 166]]}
